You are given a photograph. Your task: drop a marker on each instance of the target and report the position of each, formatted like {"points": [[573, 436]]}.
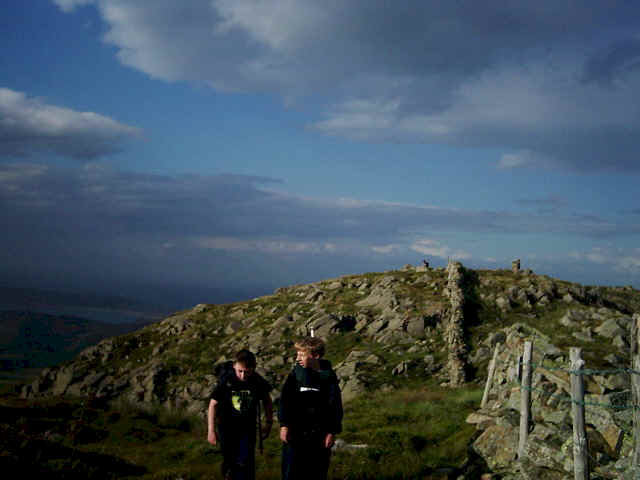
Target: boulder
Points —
{"points": [[584, 335], [430, 365], [352, 388], [380, 297], [233, 327], [504, 303], [572, 318], [614, 381], [498, 446], [349, 372], [610, 329], [377, 326], [415, 327], [402, 368], [620, 342], [544, 301], [603, 420], [476, 418], [541, 448], [314, 296]]}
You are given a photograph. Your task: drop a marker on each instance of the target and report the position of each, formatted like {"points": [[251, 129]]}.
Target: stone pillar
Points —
{"points": [[454, 336], [515, 266]]}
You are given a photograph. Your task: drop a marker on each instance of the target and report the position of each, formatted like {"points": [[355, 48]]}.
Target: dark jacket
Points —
{"points": [[311, 400], [239, 400]]}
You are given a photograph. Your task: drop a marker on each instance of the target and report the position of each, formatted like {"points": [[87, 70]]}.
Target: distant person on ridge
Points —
{"points": [[233, 415], [310, 413]]}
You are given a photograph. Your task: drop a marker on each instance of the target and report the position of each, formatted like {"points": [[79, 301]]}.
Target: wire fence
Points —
{"points": [[560, 389]]}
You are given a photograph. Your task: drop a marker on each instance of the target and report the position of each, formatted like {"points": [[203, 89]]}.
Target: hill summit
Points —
{"points": [[413, 326]]}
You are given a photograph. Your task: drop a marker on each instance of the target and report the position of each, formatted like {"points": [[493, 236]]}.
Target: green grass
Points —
{"points": [[409, 433]]}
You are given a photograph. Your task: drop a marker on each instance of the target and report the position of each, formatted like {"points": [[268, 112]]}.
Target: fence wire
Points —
{"points": [[555, 398], [567, 398]]}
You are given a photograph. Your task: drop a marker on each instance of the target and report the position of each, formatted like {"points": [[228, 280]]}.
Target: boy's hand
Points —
{"points": [[266, 430], [284, 434], [212, 438], [329, 440]]}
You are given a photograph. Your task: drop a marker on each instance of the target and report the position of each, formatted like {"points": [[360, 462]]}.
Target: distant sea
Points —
{"points": [[97, 314]]}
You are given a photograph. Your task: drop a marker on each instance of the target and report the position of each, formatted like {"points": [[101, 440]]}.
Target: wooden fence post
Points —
{"points": [[580, 448], [492, 368], [525, 399], [635, 391]]}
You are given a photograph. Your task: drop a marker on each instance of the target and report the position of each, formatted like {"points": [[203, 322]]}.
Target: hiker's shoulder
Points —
{"points": [[260, 382]]}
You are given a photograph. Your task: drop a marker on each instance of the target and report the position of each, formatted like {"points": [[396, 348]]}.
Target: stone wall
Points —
{"points": [[454, 333]]}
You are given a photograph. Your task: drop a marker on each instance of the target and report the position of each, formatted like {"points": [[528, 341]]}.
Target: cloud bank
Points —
{"points": [[28, 126], [96, 224], [549, 83]]}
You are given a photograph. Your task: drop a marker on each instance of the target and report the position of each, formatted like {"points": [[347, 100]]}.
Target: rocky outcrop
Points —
{"points": [[353, 372]]}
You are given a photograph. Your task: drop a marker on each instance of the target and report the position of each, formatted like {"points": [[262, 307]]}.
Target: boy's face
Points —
{"points": [[242, 372], [306, 359]]}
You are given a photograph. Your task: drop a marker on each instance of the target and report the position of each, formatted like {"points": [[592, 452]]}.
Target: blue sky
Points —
{"points": [[206, 150]]}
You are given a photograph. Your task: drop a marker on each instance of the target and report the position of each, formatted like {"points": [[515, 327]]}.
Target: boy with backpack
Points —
{"points": [[234, 412], [310, 413]]}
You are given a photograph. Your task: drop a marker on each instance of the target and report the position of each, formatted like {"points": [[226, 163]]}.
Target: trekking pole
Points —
{"points": [[260, 431]]}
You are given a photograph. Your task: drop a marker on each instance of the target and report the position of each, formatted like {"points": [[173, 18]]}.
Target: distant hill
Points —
{"points": [[32, 340], [33, 296]]}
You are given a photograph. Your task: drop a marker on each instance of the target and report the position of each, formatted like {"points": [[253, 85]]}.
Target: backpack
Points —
{"points": [[223, 370]]}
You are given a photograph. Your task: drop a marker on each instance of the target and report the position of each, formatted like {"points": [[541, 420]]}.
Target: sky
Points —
{"points": [[213, 150]]}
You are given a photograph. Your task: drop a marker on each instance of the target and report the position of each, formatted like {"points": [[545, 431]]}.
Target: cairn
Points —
{"points": [[515, 266]]}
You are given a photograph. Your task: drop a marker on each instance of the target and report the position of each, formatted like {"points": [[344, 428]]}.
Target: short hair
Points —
{"points": [[246, 358], [313, 345]]}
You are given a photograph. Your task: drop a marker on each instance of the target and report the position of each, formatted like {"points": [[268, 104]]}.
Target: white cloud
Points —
{"points": [[621, 260], [433, 248], [512, 160], [70, 5], [330, 247], [561, 87], [384, 249], [270, 246], [28, 126]]}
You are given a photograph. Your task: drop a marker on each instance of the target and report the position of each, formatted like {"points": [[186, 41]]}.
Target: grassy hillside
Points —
{"points": [[411, 433], [386, 337]]}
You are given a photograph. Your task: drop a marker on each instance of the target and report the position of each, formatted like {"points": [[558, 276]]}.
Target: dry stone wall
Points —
{"points": [[549, 449], [454, 333]]}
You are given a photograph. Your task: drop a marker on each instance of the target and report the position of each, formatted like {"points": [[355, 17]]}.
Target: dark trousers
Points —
{"points": [[305, 457], [238, 454]]}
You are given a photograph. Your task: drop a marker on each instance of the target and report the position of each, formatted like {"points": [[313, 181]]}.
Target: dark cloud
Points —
{"points": [[29, 126], [95, 226], [615, 61], [551, 82]]}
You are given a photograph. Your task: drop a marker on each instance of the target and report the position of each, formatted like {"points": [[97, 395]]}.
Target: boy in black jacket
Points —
{"points": [[233, 412], [310, 413]]}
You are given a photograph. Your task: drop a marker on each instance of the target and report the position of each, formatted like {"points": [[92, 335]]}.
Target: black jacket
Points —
{"points": [[311, 400]]}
